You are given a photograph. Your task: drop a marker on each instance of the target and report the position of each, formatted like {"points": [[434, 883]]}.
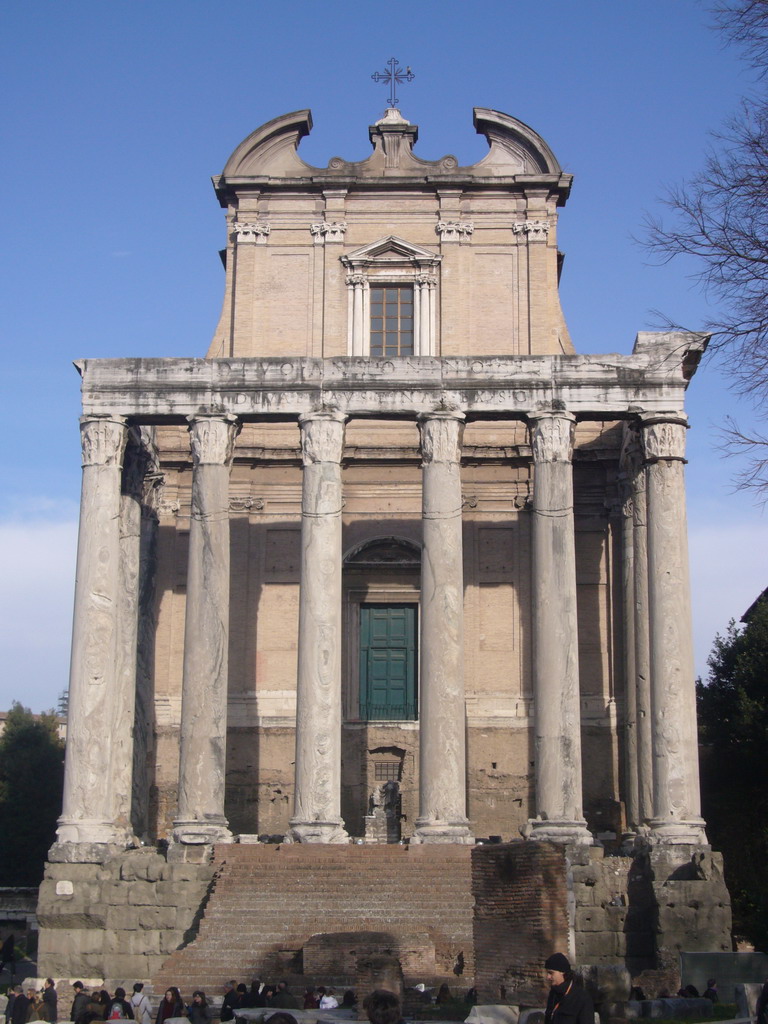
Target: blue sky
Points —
{"points": [[116, 114]]}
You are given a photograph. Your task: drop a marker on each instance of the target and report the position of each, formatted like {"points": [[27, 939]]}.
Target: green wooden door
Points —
{"points": [[387, 661]]}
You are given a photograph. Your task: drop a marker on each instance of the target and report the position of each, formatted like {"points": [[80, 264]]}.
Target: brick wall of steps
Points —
{"points": [[268, 900]]}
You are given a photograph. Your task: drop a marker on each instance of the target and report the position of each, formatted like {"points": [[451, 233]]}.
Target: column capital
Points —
{"points": [[441, 434], [103, 439], [552, 435], [212, 439], [663, 437], [322, 437]]}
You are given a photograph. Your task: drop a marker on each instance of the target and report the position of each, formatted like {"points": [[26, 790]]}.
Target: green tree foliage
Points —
{"points": [[733, 727], [31, 783]]}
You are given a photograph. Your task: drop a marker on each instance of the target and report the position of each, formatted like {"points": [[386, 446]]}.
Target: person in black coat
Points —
{"points": [[230, 1002], [20, 1007], [568, 1002]]}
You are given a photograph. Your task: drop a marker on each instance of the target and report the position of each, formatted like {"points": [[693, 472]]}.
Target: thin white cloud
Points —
{"points": [[36, 587]]}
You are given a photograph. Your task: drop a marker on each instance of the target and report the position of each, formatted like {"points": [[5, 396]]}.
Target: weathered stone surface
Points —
{"points": [[442, 799], [559, 815], [317, 805], [201, 817]]}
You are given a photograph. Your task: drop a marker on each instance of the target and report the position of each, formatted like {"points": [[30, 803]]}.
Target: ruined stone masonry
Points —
{"points": [[391, 563]]}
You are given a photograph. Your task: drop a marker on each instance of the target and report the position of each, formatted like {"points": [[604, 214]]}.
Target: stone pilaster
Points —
{"points": [[88, 813], [317, 803], [559, 815], [206, 637], [676, 806], [442, 709]]}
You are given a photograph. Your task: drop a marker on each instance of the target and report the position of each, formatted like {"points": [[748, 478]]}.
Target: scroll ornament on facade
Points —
{"points": [[326, 231], [535, 230], [249, 232], [454, 230]]}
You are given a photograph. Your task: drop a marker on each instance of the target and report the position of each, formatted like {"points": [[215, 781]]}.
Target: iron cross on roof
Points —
{"points": [[395, 75]]}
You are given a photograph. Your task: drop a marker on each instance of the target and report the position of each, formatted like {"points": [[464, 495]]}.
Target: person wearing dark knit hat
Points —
{"points": [[568, 1001]]}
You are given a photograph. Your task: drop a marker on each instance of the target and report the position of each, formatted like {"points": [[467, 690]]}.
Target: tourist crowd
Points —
{"points": [[99, 1005]]}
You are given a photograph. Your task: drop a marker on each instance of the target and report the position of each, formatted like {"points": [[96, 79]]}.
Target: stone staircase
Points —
{"points": [[268, 900]]}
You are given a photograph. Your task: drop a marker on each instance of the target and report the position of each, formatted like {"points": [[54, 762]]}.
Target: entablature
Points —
{"points": [[651, 380]]}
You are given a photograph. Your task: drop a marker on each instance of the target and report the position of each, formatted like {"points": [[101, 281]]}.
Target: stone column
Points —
{"points": [[442, 709], [356, 283], [642, 645], [87, 815], [559, 815], [206, 637], [317, 801], [121, 727], [676, 807], [143, 748], [631, 796]]}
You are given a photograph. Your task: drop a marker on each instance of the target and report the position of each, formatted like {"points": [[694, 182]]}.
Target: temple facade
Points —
{"points": [[392, 561]]}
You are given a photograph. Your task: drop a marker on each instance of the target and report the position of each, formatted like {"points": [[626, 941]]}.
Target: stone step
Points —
{"points": [[270, 899]]}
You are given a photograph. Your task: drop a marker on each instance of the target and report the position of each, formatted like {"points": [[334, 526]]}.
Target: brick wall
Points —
{"points": [[328, 955], [520, 892]]}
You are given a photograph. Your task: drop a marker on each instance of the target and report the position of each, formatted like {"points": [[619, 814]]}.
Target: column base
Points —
{"points": [[201, 833], [93, 831], [674, 832], [318, 832], [430, 831], [558, 830], [84, 853]]}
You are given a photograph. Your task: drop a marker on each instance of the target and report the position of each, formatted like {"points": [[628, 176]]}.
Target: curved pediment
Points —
{"points": [[271, 149], [271, 152], [515, 147]]}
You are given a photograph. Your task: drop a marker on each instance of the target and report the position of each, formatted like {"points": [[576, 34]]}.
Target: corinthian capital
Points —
{"points": [[103, 439], [322, 437], [212, 439], [664, 438], [552, 436], [441, 434]]}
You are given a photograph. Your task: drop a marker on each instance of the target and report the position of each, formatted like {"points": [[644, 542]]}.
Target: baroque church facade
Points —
{"points": [[393, 546]]}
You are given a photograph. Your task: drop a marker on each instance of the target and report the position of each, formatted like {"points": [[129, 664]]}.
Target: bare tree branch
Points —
{"points": [[719, 218]]}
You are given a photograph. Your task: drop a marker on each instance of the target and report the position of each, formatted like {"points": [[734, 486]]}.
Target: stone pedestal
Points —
{"points": [[201, 817], [442, 713], [559, 815], [88, 816], [317, 806], [676, 807]]}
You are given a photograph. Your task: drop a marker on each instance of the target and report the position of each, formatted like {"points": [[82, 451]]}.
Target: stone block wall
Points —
{"points": [[644, 910], [521, 916], [118, 920]]}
